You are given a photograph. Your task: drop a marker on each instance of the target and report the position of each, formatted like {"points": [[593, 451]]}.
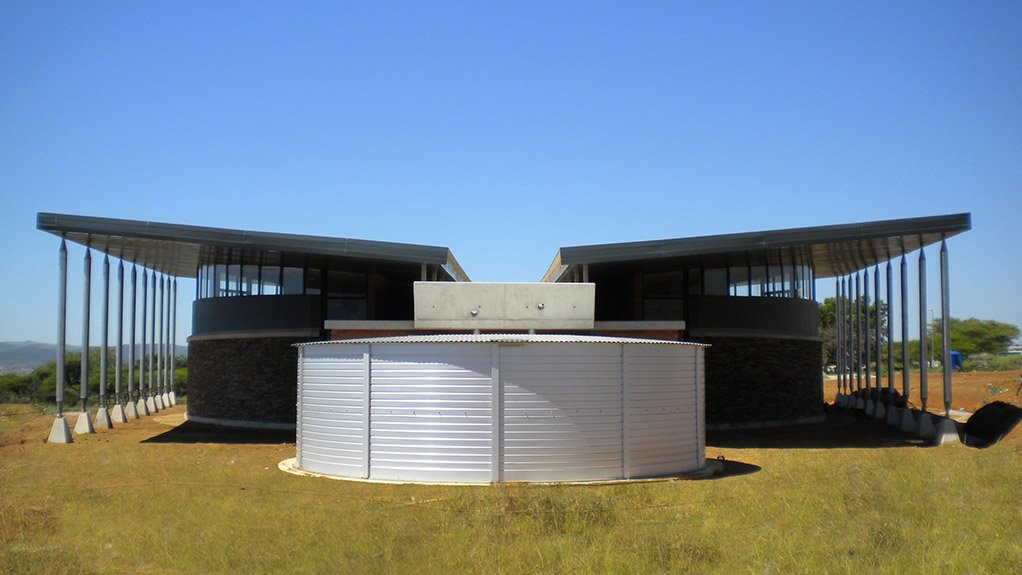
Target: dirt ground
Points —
{"points": [[969, 390]]}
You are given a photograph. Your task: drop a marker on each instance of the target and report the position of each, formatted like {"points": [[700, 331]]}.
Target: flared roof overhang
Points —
{"points": [[831, 250], [178, 249]]}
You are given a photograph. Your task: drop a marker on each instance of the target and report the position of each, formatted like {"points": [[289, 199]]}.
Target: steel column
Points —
{"points": [[131, 337], [59, 431], [86, 303], [837, 335], [922, 329], [105, 331], [857, 318], [945, 311], [890, 326], [876, 330], [152, 335], [904, 327], [160, 349], [865, 316], [118, 359], [142, 342], [61, 326]]}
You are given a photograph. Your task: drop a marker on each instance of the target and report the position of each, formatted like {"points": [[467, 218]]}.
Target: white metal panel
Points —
{"points": [[562, 411], [331, 421], [430, 413], [662, 409]]}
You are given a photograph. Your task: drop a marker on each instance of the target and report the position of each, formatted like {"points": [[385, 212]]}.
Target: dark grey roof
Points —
{"points": [[178, 249], [832, 250]]}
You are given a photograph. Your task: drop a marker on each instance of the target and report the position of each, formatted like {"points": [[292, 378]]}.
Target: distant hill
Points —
{"points": [[24, 356]]}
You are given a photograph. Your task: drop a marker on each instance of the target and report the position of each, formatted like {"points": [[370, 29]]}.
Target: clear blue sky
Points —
{"points": [[505, 132]]}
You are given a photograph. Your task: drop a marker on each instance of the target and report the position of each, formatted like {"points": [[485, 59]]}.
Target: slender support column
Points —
{"points": [[102, 415], [946, 431], [879, 408], [150, 400], [160, 349], [837, 341], [84, 424], [59, 431], [908, 422], [945, 310], [173, 344], [857, 318], [131, 410], [924, 426], [118, 413], [890, 331], [849, 334], [923, 336], [870, 405], [167, 352], [143, 404]]}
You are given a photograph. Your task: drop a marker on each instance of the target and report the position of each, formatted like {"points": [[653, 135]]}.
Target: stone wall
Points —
{"points": [[761, 380], [245, 379]]}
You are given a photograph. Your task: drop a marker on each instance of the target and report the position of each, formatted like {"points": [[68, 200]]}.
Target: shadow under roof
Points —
{"points": [[179, 249], [832, 250]]}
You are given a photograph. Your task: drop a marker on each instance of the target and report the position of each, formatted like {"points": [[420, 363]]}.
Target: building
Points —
{"points": [[749, 295]]}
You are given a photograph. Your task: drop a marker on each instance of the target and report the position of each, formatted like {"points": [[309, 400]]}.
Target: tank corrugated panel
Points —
{"points": [[562, 412], [430, 415], [331, 422], [661, 410]]}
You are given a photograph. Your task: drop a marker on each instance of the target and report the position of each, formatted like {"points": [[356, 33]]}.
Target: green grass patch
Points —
{"points": [[115, 502]]}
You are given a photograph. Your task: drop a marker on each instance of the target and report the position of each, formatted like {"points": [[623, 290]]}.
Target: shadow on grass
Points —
{"points": [[191, 432], [843, 428]]}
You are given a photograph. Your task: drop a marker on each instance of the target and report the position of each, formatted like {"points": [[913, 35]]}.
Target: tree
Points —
{"points": [[972, 336]]}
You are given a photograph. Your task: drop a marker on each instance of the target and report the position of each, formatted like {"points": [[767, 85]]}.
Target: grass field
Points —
{"points": [[162, 496]]}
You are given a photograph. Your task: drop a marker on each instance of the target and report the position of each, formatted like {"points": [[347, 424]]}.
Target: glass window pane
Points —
{"points": [[293, 282], [270, 280], [313, 281]]}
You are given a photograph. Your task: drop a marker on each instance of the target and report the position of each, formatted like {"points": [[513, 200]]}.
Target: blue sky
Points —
{"points": [[507, 131]]}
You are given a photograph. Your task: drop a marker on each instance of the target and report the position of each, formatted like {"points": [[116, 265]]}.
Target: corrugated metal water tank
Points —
{"points": [[490, 408]]}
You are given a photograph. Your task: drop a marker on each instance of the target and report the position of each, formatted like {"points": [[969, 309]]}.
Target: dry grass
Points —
{"points": [[970, 390], [846, 497]]}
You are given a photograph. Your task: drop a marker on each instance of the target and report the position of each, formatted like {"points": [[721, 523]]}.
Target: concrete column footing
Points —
{"points": [[159, 402], [946, 432], [924, 427], [84, 424], [166, 400], [860, 403], [117, 414], [880, 411], [908, 421], [150, 405], [130, 411], [103, 419], [893, 416], [839, 400], [59, 432], [141, 407], [869, 407], [173, 398]]}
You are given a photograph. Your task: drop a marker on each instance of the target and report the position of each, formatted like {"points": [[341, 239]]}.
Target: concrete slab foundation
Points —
{"points": [[103, 419], [117, 414], [946, 432], [59, 432], [84, 424]]}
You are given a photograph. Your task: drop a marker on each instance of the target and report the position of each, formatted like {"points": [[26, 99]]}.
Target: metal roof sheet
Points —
{"points": [[501, 338], [178, 249], [832, 250]]}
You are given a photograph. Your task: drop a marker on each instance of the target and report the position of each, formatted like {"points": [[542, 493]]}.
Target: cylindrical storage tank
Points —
{"points": [[491, 408]]}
